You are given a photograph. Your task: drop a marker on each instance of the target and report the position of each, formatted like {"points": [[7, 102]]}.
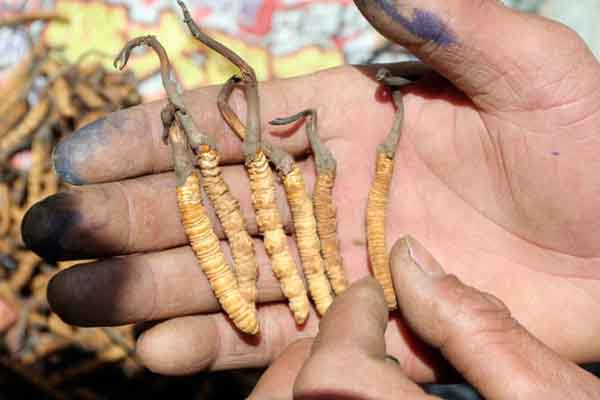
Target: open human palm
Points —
{"points": [[495, 175]]}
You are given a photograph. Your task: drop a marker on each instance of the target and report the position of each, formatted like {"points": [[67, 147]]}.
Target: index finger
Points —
{"points": [[128, 143]]}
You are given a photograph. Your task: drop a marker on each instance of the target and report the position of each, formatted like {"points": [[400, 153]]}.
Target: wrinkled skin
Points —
{"points": [[469, 328], [496, 175]]}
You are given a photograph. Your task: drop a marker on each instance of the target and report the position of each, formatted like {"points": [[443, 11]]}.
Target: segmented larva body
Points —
{"points": [[89, 96], [307, 240], [40, 147], [27, 263], [28, 125], [62, 95], [36, 173], [5, 207], [376, 216], [270, 225], [325, 214], [10, 119], [206, 246], [230, 215]]}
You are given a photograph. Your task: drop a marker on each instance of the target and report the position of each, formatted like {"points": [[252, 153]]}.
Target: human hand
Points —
{"points": [[473, 330], [499, 183]]}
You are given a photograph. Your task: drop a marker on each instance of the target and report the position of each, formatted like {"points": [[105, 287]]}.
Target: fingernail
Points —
{"points": [[422, 258], [70, 154], [46, 225]]}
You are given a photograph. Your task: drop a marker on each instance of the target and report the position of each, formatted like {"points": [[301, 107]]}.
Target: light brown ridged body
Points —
{"points": [[5, 207], [62, 95], [10, 119], [30, 17], [25, 128], [88, 96], [206, 246], [18, 80], [27, 263], [230, 215], [307, 240], [40, 149], [325, 214], [270, 225], [376, 218]]}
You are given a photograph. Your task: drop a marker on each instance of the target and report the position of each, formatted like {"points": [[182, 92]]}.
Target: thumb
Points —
{"points": [[477, 334], [498, 56]]}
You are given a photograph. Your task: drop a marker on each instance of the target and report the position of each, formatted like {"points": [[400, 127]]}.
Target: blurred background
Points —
{"points": [[280, 38], [41, 357]]}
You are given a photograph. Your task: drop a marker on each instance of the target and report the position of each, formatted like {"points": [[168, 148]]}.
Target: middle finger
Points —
{"points": [[131, 216]]}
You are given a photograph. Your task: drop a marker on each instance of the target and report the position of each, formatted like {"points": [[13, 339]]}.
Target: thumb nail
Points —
{"points": [[421, 257]]}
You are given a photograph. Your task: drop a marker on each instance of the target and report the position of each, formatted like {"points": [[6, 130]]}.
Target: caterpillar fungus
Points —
{"points": [[262, 183], [226, 206], [379, 192], [300, 205], [40, 148], [15, 138], [5, 207], [198, 228], [325, 211]]}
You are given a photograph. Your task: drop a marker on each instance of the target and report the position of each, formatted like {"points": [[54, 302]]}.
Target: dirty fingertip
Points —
{"points": [[409, 256], [72, 153]]}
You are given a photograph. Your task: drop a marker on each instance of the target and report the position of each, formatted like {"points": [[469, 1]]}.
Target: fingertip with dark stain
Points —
{"points": [[72, 153], [46, 224]]}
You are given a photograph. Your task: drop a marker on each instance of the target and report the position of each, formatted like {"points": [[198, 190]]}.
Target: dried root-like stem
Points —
{"points": [[325, 211], [227, 207], [230, 215], [268, 219], [203, 240], [15, 138], [12, 21], [301, 208], [377, 205]]}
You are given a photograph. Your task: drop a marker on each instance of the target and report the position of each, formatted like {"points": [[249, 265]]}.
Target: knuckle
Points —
{"points": [[481, 317]]}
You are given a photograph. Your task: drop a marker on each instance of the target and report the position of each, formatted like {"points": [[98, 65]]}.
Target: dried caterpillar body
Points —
{"points": [[262, 183], [206, 246], [327, 228], [378, 197], [325, 212], [10, 119], [180, 130], [269, 223], [376, 216], [89, 96], [13, 139], [62, 93], [231, 218], [307, 240], [40, 148], [264, 202], [5, 207]]}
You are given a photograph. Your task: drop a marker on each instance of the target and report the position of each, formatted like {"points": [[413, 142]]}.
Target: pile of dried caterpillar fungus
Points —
{"points": [[45, 99]]}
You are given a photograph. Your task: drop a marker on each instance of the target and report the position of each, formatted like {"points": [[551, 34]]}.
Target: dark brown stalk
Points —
{"points": [[251, 145]]}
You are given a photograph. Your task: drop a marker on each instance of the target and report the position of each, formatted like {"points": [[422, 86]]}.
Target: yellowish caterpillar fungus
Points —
{"points": [[262, 184], [378, 198], [226, 206], [205, 243], [20, 133], [28, 18], [5, 207], [300, 205], [325, 211], [41, 147], [197, 225], [89, 96]]}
